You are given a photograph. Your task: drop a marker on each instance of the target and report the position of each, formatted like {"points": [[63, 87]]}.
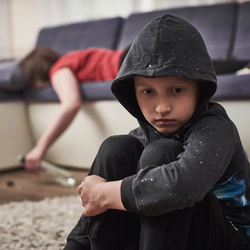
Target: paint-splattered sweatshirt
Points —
{"points": [[213, 156]]}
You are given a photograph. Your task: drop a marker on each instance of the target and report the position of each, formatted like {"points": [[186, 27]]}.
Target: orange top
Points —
{"points": [[90, 64]]}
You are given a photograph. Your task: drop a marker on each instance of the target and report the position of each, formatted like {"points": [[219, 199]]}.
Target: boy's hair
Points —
{"points": [[36, 65]]}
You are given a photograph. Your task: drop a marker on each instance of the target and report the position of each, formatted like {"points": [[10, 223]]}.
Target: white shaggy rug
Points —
{"points": [[42, 225]]}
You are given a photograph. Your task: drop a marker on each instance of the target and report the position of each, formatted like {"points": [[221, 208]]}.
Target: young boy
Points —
{"points": [[180, 180]]}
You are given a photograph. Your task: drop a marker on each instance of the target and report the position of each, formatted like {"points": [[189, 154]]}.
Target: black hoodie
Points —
{"points": [[213, 156]]}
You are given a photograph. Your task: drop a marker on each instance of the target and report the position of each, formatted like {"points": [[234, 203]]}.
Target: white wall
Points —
{"points": [[4, 29], [20, 20]]}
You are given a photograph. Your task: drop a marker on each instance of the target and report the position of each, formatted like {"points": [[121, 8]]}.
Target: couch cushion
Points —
{"points": [[9, 96], [230, 87], [11, 81], [11, 76], [233, 87], [241, 48], [215, 23], [89, 91], [98, 33]]}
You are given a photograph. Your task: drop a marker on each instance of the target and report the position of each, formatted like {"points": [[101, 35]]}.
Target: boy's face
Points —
{"points": [[167, 103]]}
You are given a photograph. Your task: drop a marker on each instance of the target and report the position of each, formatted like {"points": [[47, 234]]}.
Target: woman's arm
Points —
{"points": [[66, 86]]}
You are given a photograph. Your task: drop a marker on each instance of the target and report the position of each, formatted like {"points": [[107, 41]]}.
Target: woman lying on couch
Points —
{"points": [[44, 66]]}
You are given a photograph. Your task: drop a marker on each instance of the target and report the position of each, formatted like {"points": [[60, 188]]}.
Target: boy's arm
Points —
{"points": [[98, 195]]}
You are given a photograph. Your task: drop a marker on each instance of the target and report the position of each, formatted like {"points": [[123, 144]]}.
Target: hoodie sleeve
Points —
{"points": [[208, 149]]}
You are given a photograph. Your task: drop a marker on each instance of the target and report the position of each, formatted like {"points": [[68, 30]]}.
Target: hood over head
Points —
{"points": [[168, 46]]}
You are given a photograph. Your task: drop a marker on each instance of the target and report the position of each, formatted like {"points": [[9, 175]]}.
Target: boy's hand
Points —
{"points": [[98, 195], [90, 191]]}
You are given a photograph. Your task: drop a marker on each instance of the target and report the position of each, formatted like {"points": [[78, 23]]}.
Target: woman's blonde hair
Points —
{"points": [[36, 65]]}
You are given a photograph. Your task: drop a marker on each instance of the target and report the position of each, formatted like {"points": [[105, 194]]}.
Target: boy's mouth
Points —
{"points": [[164, 122]]}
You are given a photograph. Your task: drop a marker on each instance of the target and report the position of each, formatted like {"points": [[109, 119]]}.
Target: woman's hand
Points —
{"points": [[98, 195], [33, 159]]}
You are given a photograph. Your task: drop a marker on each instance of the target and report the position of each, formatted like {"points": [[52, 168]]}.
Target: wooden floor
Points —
{"points": [[20, 185]]}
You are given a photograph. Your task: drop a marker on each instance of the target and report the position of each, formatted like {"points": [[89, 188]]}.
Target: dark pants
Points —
{"points": [[203, 226]]}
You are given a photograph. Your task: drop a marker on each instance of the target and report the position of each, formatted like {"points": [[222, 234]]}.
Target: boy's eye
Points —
{"points": [[148, 91], [177, 90]]}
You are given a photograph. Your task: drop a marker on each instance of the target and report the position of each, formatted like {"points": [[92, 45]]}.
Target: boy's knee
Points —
{"points": [[117, 157], [114, 145], [160, 152]]}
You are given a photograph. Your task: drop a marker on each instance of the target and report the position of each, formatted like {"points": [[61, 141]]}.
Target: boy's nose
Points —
{"points": [[163, 107]]}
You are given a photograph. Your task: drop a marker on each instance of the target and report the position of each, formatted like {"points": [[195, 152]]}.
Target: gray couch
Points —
{"points": [[226, 31]]}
